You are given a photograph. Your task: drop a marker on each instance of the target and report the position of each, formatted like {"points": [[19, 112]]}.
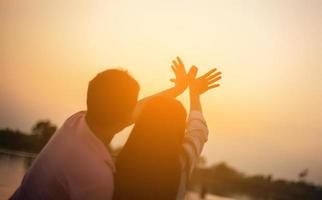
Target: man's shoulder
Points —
{"points": [[75, 117], [66, 139], [73, 124], [85, 145]]}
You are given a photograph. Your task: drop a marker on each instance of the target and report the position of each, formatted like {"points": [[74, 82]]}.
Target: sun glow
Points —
{"points": [[269, 53]]}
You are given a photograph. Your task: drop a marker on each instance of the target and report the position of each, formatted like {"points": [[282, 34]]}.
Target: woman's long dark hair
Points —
{"points": [[148, 167]]}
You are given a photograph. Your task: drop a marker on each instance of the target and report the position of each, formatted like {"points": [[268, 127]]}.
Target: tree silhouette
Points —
{"points": [[43, 129], [222, 179], [41, 132]]}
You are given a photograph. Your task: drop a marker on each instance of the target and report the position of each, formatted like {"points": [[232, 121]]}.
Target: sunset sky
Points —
{"points": [[265, 118]]}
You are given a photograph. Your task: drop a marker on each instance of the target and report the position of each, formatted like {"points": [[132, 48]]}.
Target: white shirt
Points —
{"points": [[74, 165], [195, 138]]}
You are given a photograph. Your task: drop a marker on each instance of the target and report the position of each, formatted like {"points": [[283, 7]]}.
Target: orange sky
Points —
{"points": [[266, 117]]}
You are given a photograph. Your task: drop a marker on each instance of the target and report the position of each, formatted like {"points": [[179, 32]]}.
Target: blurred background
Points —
{"points": [[265, 119]]}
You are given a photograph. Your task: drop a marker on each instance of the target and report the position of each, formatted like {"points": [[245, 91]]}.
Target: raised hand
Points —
{"points": [[205, 82], [181, 80]]}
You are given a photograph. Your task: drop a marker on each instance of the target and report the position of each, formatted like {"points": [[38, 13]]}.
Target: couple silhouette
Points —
{"points": [[157, 159]]}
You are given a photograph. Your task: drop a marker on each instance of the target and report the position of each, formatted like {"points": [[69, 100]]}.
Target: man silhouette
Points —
{"points": [[75, 163]]}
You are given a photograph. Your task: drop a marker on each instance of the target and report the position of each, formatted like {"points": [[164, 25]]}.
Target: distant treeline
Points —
{"points": [[31, 142], [223, 180], [220, 179]]}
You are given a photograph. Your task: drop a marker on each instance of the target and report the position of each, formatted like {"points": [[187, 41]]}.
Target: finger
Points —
{"points": [[175, 63], [213, 76], [208, 73], [213, 86], [192, 72], [181, 65], [214, 80], [173, 80], [173, 69]]}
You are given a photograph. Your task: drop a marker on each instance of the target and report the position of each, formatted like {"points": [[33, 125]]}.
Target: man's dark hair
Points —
{"points": [[111, 97]]}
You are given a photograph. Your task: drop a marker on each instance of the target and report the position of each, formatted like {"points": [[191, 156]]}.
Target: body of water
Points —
{"points": [[12, 170]]}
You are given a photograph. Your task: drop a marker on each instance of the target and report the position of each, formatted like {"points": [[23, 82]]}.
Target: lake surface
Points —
{"points": [[13, 168]]}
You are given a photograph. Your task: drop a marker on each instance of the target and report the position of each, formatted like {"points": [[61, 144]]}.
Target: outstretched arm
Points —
{"points": [[181, 83], [197, 131]]}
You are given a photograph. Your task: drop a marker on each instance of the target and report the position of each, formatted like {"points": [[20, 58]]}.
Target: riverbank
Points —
{"points": [[18, 153]]}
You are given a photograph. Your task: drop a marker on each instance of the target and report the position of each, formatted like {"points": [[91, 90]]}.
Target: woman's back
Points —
{"points": [[149, 166], [159, 155]]}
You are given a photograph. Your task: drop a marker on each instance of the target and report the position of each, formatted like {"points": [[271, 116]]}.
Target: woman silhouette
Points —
{"points": [[163, 147]]}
